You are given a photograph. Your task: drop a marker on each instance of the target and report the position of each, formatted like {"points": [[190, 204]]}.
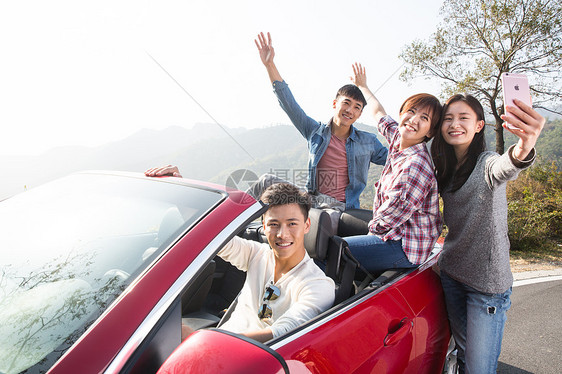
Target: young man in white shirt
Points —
{"points": [[284, 288]]}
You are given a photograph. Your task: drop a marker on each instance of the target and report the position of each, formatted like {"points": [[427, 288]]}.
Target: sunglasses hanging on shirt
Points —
{"points": [[271, 293]]}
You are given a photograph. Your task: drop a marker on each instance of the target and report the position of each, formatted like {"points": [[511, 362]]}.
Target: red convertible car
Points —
{"points": [[98, 270]]}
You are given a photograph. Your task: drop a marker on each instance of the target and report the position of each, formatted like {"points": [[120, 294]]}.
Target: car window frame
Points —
{"points": [[163, 308]]}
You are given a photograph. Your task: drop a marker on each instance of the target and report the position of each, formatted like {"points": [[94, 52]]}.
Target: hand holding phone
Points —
{"points": [[515, 86]]}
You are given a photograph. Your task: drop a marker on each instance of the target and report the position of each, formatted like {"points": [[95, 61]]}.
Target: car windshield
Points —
{"points": [[70, 247]]}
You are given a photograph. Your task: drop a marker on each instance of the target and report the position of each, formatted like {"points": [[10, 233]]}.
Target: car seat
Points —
{"points": [[193, 299], [354, 222], [331, 253]]}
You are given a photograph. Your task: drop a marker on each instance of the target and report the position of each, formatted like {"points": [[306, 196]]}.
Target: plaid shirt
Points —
{"points": [[406, 202]]}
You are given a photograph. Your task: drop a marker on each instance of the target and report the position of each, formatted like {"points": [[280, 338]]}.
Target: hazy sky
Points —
{"points": [[81, 72]]}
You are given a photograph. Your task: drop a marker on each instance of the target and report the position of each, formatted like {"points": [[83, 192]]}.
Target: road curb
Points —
{"points": [[536, 274]]}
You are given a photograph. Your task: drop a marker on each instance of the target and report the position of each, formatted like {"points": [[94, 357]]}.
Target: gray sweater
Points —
{"points": [[476, 249]]}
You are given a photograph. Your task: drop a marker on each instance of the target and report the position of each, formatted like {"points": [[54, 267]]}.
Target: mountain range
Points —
{"points": [[204, 152], [208, 152]]}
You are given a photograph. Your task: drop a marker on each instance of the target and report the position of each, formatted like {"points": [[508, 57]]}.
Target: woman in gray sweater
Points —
{"points": [[474, 265]]}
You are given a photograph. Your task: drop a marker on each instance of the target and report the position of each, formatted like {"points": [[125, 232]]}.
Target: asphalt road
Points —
{"points": [[532, 340]]}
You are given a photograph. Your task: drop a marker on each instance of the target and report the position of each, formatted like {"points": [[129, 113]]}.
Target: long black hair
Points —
{"points": [[443, 153]]}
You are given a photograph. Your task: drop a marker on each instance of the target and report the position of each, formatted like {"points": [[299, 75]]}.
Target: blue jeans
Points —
{"points": [[477, 322], [376, 254]]}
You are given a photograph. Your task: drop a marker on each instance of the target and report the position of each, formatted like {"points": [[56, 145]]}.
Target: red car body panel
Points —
{"points": [[211, 352], [386, 333]]}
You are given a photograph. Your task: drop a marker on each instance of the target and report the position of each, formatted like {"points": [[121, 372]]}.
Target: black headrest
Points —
{"points": [[316, 240], [354, 222]]}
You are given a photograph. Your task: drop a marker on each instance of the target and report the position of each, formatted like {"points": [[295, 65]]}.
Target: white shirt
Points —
{"points": [[305, 290]]}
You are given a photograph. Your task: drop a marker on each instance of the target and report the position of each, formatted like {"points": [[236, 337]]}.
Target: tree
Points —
{"points": [[478, 40]]}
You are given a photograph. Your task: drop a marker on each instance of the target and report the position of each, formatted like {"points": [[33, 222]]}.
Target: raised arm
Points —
{"points": [[306, 125], [359, 78], [267, 53]]}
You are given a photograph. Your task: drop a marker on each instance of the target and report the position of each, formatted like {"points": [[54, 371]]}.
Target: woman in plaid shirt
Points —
{"points": [[406, 221]]}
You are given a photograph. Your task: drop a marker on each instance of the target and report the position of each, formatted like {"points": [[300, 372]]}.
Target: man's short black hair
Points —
{"points": [[286, 193], [352, 91]]}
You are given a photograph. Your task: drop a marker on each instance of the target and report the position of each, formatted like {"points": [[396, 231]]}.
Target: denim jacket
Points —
{"points": [[362, 147]]}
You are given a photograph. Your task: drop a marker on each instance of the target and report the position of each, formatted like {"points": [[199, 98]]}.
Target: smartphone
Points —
{"points": [[515, 86]]}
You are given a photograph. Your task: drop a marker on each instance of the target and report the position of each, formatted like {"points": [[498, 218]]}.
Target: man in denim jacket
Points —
{"points": [[339, 154]]}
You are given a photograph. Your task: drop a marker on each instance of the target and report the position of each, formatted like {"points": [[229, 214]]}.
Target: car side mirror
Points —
{"points": [[217, 351]]}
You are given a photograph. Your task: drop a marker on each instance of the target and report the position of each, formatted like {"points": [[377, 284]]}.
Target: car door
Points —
{"points": [[373, 333], [424, 296]]}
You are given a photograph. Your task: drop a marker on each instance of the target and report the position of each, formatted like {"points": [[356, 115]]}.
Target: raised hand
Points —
{"points": [[265, 48], [359, 77], [267, 54], [526, 123]]}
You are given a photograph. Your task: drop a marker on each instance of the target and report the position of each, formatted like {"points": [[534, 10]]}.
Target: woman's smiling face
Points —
{"points": [[415, 125], [460, 124]]}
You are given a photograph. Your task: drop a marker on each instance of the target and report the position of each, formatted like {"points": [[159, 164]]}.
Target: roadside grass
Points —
{"points": [[535, 216], [547, 255]]}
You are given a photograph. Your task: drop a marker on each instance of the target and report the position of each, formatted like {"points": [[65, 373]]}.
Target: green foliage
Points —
{"points": [[535, 211], [549, 144]]}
